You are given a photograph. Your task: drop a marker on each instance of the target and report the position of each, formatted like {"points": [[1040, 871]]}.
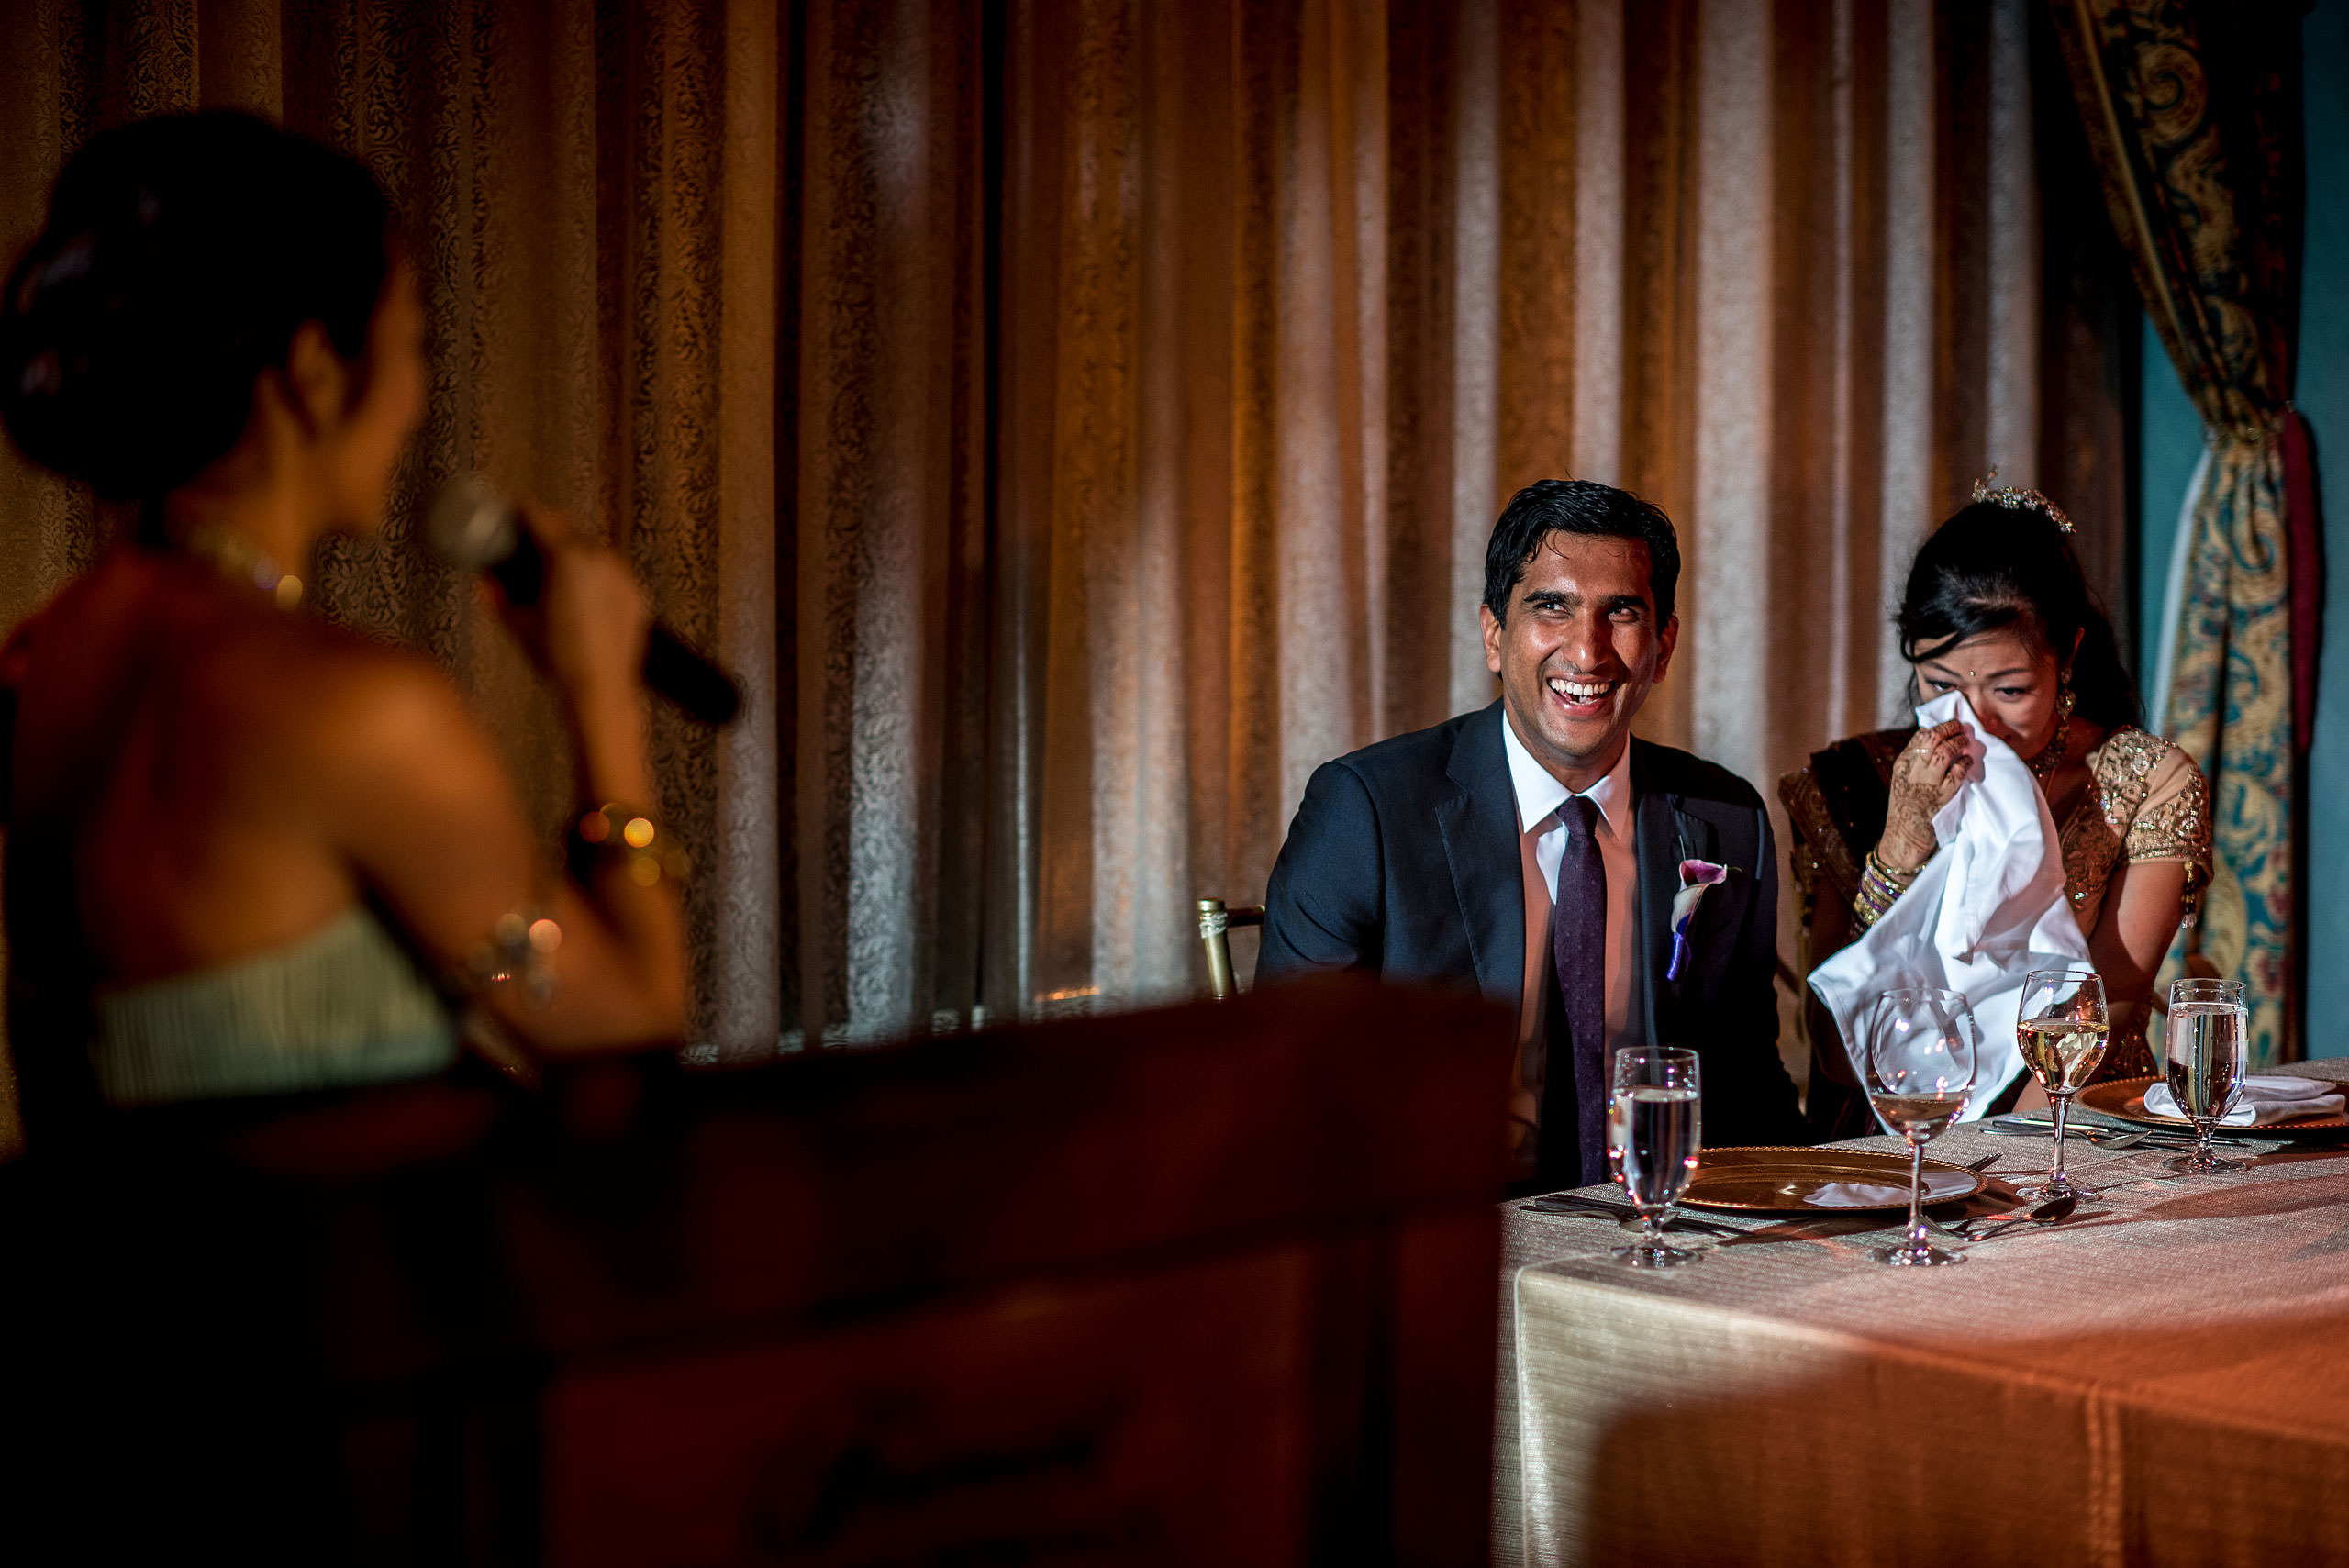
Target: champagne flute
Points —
{"points": [[2059, 1028], [1654, 1134], [1924, 1045], [2206, 1051]]}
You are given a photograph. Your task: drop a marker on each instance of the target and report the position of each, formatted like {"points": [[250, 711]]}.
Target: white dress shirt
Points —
{"points": [[1542, 844]]}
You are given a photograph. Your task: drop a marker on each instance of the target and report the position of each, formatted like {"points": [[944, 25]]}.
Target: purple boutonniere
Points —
{"points": [[1697, 879]]}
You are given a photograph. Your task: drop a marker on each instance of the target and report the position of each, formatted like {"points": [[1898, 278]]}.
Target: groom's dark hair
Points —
{"points": [[1578, 507]]}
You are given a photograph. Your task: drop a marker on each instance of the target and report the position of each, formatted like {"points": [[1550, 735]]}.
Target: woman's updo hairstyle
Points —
{"points": [[1998, 568], [181, 255]]}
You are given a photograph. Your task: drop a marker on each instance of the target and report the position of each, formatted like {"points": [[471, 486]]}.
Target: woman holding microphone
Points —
{"points": [[248, 853]]}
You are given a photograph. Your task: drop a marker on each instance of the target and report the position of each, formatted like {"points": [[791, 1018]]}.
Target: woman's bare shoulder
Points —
{"points": [[353, 692], [76, 611], [376, 734]]}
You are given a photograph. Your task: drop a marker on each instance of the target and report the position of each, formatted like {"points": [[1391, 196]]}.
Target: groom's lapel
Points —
{"points": [[1479, 829], [1666, 834]]}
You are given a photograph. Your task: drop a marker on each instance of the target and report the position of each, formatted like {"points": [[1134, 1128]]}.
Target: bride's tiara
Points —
{"points": [[2016, 500]]}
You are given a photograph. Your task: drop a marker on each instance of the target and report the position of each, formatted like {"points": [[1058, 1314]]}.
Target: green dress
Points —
{"points": [[341, 1007]]}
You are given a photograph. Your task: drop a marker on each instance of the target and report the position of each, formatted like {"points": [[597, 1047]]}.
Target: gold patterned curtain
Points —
{"points": [[1076, 420], [1295, 295], [2194, 121]]}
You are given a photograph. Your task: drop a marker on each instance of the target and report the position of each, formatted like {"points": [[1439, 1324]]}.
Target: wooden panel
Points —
{"points": [[1158, 1417], [1206, 1284]]}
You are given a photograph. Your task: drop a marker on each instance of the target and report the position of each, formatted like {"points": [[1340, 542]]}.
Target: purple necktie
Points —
{"points": [[1574, 1095]]}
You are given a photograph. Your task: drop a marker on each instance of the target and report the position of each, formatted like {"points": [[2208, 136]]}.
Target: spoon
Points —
{"points": [[2047, 1213], [1978, 1167]]}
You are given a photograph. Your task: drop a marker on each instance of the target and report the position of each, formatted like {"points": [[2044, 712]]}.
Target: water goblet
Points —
{"points": [[1922, 1048], [2206, 1051], [2060, 1026], [1654, 1132]]}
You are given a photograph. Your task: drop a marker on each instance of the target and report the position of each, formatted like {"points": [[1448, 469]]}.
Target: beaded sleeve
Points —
{"points": [[2174, 823]]}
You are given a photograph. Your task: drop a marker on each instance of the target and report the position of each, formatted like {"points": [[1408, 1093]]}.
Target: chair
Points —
{"points": [[1822, 876], [1214, 922]]}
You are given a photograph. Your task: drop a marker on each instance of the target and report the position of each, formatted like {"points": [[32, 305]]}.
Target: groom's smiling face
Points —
{"points": [[1579, 652]]}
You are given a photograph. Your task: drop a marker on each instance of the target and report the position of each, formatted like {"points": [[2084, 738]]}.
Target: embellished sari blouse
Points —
{"points": [[2145, 801]]}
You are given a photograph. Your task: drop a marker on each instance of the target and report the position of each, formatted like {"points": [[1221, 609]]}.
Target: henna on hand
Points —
{"points": [[1925, 777]]}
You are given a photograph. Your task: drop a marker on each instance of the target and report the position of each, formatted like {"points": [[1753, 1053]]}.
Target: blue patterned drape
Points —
{"points": [[2194, 128]]}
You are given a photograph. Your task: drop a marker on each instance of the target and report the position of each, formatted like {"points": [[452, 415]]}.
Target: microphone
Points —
{"points": [[472, 527]]}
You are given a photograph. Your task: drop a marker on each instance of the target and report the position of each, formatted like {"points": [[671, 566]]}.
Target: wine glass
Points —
{"points": [[1653, 1133], [2206, 1051], [2059, 1028], [1922, 1048]]}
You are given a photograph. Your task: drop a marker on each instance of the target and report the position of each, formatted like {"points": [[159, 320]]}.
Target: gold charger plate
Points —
{"points": [[1819, 1181], [2126, 1098]]}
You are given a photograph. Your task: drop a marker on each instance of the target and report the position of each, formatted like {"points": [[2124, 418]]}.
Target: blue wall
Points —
{"points": [[2173, 441]]}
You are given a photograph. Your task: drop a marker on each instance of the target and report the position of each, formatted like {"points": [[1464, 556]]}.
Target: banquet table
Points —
{"points": [[2162, 1377]]}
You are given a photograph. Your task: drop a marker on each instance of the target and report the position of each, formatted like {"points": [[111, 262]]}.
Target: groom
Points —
{"points": [[1617, 893]]}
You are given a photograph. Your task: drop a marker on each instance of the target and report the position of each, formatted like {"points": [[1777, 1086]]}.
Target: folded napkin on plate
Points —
{"points": [[2264, 1100], [1984, 911], [1939, 1187]]}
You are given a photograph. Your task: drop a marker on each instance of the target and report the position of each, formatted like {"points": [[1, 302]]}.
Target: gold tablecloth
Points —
{"points": [[2164, 1378]]}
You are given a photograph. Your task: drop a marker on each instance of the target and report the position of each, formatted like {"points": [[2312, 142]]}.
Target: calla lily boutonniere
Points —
{"points": [[1697, 879]]}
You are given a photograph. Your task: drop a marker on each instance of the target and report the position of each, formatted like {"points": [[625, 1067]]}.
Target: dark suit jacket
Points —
{"points": [[1403, 861]]}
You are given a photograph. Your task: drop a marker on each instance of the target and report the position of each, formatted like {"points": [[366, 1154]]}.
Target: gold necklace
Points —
{"points": [[239, 560], [2050, 756]]}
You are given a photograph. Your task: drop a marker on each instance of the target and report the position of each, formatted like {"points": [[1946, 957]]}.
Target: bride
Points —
{"points": [[1998, 610]]}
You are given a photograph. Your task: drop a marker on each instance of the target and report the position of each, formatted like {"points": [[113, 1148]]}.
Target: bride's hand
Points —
{"points": [[1924, 779]]}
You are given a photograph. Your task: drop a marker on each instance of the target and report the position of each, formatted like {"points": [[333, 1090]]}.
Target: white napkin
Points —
{"points": [[1983, 911], [2264, 1099], [1939, 1185]]}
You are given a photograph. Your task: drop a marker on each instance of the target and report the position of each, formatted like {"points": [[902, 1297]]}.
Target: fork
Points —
{"points": [[2103, 1134], [1593, 1208], [2098, 1139]]}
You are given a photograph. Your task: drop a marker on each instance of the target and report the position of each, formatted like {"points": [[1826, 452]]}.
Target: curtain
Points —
{"points": [[1077, 419], [2196, 129], [1296, 296]]}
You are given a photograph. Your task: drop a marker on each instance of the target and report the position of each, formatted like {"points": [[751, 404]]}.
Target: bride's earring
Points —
{"points": [[2063, 695]]}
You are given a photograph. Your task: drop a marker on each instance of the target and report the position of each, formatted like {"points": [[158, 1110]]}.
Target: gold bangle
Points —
{"points": [[1900, 879], [1880, 889], [634, 836], [520, 945]]}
